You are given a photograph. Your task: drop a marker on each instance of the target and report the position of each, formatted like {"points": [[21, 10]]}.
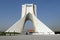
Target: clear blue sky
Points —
{"points": [[48, 12]]}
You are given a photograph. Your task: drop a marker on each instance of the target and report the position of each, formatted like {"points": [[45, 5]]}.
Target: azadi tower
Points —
{"points": [[29, 13]]}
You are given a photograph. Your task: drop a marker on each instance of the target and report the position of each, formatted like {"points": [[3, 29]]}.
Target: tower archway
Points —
{"points": [[28, 27]]}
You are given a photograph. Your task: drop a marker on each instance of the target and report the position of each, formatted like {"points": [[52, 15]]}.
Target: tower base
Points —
{"points": [[43, 33]]}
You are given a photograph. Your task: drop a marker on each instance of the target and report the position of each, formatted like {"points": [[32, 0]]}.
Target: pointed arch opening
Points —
{"points": [[28, 27]]}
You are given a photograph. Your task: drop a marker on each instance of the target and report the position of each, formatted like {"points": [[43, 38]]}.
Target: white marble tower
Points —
{"points": [[29, 13]]}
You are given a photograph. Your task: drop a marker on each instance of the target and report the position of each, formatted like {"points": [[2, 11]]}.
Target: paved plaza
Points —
{"points": [[31, 37]]}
